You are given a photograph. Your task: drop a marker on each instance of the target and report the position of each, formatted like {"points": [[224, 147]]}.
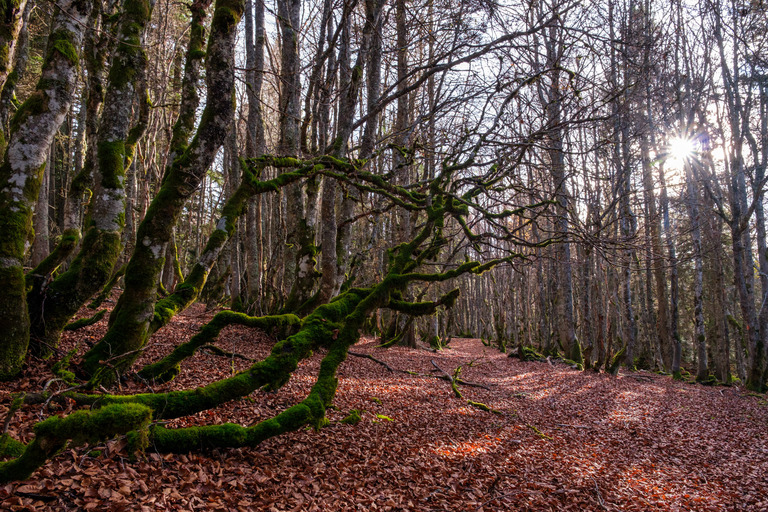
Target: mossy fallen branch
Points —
{"points": [[450, 379], [85, 322], [539, 432], [484, 407], [52, 435], [164, 370]]}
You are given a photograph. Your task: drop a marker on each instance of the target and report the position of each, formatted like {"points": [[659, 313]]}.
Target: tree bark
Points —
{"points": [[31, 134], [52, 305], [135, 310]]}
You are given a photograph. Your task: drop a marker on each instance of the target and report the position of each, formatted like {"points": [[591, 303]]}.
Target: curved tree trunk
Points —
{"points": [[32, 131], [53, 305], [134, 311]]}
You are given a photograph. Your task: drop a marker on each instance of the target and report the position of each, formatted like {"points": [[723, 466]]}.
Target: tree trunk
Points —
{"points": [[54, 304], [135, 310], [31, 134], [11, 14], [255, 144]]}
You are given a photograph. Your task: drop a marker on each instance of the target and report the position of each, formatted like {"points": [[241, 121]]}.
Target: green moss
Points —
{"points": [[483, 407], [4, 57], [14, 322], [37, 103], [64, 248], [60, 42], [613, 368], [353, 418], [52, 434], [525, 353], [85, 322], [111, 156], [59, 368], [94, 426], [9, 447], [226, 17], [571, 362], [710, 380], [539, 432], [138, 9]]}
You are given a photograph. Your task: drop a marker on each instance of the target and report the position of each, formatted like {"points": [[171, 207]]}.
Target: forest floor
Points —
{"points": [[565, 440]]}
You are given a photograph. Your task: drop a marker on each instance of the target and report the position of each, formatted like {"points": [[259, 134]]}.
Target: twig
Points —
{"points": [[515, 493], [572, 426], [445, 377], [369, 356], [49, 382], [36, 496], [454, 380], [221, 352], [599, 496], [53, 395]]}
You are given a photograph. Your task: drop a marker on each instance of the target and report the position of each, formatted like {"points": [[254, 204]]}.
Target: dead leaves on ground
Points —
{"points": [[566, 441]]}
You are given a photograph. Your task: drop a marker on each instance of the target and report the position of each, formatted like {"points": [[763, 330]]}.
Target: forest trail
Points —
{"points": [[565, 440]]}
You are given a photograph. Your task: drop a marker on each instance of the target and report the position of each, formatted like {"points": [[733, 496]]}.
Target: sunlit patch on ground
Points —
{"points": [[565, 440]]}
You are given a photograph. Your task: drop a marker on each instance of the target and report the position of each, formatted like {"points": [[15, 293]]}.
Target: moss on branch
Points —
{"points": [[85, 322], [164, 370], [52, 435]]}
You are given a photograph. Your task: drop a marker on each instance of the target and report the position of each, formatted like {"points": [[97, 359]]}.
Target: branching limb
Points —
{"points": [[450, 379], [85, 322], [167, 368], [52, 434]]}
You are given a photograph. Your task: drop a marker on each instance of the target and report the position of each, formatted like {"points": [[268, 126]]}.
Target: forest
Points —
{"points": [[490, 234]]}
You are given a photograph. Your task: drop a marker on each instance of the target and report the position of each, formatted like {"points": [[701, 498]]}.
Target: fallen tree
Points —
{"points": [[331, 328]]}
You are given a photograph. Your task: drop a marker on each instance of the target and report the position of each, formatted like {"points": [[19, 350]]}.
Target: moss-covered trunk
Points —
{"points": [[134, 312], [99, 40], [187, 292], [32, 131], [11, 12], [53, 304], [52, 435]]}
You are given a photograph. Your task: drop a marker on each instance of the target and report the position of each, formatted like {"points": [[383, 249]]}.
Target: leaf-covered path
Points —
{"points": [[565, 440]]}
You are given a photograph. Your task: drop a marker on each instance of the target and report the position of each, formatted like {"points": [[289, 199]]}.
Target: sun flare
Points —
{"points": [[680, 149]]}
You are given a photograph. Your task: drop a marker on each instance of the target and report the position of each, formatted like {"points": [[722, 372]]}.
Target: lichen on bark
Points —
{"points": [[53, 305], [131, 318], [31, 133]]}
